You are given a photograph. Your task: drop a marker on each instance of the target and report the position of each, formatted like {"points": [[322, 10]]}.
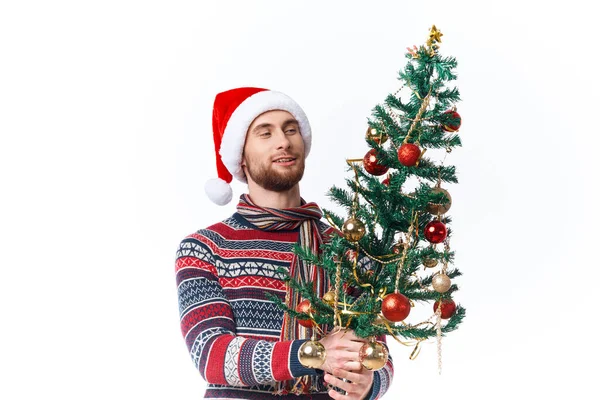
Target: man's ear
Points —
{"points": [[244, 168]]}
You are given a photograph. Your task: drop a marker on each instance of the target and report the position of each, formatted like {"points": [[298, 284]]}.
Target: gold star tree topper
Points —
{"points": [[435, 36]]}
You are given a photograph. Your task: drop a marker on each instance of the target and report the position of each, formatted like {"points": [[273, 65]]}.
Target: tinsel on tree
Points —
{"points": [[393, 249]]}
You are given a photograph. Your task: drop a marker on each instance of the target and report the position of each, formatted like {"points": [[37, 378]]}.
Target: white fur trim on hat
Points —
{"points": [[234, 137], [218, 191]]}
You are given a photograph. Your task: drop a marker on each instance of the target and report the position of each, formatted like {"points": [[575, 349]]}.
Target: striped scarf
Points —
{"points": [[306, 217]]}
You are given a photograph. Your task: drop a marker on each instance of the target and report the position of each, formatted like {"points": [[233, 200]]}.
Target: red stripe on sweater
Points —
{"points": [[199, 314], [261, 337], [215, 366], [256, 253], [205, 240], [254, 234], [188, 261], [280, 361], [261, 282]]}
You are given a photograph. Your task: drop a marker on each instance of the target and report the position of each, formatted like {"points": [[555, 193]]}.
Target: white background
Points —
{"points": [[105, 120]]}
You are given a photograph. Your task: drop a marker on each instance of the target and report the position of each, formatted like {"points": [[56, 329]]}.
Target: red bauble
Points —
{"points": [[371, 164], [409, 154], [304, 307], [435, 232], [395, 307], [453, 127], [448, 308], [386, 181]]}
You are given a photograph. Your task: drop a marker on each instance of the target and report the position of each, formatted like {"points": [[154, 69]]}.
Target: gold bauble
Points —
{"points": [[441, 283], [329, 297], [353, 230], [373, 355], [376, 136], [429, 262], [312, 354], [439, 208]]}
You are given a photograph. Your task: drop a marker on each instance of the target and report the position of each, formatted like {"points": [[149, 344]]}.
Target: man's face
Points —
{"points": [[274, 151]]}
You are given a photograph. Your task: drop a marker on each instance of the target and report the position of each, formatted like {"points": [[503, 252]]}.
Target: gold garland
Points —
{"points": [[438, 327], [338, 280], [404, 251], [422, 109], [351, 162]]}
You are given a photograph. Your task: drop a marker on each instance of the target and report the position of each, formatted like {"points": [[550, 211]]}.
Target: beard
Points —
{"points": [[269, 178]]}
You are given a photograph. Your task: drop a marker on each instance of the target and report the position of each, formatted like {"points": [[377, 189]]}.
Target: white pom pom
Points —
{"points": [[218, 191]]}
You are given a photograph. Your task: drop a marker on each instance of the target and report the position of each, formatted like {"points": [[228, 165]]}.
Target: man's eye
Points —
{"points": [[291, 130], [264, 134]]}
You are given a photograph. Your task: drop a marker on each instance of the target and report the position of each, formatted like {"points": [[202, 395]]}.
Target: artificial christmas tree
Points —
{"points": [[392, 252]]}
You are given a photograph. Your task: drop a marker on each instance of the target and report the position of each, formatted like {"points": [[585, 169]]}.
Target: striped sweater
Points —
{"points": [[231, 329]]}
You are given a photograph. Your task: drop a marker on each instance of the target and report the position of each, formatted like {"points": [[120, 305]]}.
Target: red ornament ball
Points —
{"points": [[453, 127], [409, 154], [386, 181], [395, 307], [371, 164], [448, 308], [304, 307], [435, 232]]}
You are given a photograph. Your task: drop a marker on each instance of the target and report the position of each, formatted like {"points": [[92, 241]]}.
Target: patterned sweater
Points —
{"points": [[231, 329]]}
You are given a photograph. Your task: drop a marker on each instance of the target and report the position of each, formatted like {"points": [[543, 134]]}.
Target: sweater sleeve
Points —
{"points": [[209, 330]]}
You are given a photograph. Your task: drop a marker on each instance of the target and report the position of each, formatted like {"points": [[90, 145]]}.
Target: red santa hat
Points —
{"points": [[233, 112]]}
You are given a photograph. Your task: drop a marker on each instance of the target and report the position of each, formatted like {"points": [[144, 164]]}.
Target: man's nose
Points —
{"points": [[283, 141]]}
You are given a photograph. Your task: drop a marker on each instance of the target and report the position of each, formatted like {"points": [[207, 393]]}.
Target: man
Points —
{"points": [[243, 345]]}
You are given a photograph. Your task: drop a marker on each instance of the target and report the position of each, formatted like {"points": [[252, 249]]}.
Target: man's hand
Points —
{"points": [[356, 389], [342, 351]]}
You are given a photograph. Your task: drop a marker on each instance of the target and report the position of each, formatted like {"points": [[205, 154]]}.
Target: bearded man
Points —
{"points": [[243, 345]]}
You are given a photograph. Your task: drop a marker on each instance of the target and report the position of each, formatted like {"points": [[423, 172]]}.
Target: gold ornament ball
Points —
{"points": [[375, 136], [329, 297], [373, 355], [440, 208], [429, 262], [312, 354], [353, 230], [441, 283]]}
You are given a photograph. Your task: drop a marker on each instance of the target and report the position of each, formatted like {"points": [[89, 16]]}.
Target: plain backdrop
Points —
{"points": [[106, 142]]}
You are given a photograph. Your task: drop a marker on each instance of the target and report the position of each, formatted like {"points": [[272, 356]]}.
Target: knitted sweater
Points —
{"points": [[231, 329]]}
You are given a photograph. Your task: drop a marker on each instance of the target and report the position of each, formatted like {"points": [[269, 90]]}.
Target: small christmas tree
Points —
{"points": [[393, 250]]}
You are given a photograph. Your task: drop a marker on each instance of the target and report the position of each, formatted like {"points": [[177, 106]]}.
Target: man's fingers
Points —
{"points": [[354, 346], [353, 366], [349, 355], [351, 376], [337, 396], [343, 355], [332, 380]]}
